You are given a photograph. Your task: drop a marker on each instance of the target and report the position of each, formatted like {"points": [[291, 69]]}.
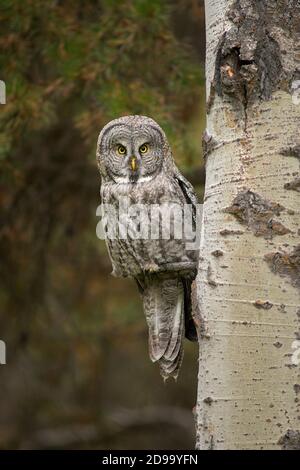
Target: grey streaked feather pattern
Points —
{"points": [[163, 268], [163, 301]]}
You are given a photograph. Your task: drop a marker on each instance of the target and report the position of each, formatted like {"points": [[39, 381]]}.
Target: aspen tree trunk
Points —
{"points": [[248, 286]]}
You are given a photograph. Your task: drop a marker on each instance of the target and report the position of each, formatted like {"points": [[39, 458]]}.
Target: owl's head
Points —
{"points": [[132, 149]]}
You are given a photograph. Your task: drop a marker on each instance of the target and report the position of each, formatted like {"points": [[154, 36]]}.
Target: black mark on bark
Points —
{"points": [[297, 388], [226, 232], [290, 440], [252, 210], [217, 253], [210, 281], [208, 401], [293, 185], [263, 305], [291, 151]]}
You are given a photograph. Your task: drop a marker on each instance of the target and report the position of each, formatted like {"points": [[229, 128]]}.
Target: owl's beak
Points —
{"points": [[133, 163]]}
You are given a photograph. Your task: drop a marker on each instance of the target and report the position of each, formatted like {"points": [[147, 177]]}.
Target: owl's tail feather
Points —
{"points": [[163, 301]]}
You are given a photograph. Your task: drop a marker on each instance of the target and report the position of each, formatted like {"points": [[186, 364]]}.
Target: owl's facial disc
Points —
{"points": [[132, 150], [135, 159]]}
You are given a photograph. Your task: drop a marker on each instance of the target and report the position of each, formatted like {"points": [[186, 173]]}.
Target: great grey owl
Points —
{"points": [[136, 165]]}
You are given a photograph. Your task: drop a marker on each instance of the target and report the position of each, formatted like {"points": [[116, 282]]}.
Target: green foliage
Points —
{"points": [[97, 59]]}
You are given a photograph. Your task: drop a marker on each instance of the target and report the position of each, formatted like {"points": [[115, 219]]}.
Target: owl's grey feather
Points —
{"points": [[163, 301], [163, 268]]}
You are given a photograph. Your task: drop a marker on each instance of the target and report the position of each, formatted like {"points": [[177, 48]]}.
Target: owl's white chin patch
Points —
{"points": [[142, 179], [126, 179]]}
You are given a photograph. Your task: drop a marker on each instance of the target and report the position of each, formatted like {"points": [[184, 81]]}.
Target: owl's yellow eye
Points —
{"points": [[143, 148], [121, 150]]}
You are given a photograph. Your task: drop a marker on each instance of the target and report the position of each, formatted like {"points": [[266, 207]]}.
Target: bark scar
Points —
{"points": [[248, 60], [293, 185], [265, 305], [290, 440], [210, 280], [292, 152], [286, 264], [251, 209]]}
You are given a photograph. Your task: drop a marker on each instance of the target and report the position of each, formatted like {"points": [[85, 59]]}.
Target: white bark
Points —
{"points": [[248, 286]]}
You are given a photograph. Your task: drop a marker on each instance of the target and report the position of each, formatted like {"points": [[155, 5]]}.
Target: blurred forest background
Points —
{"points": [[78, 373]]}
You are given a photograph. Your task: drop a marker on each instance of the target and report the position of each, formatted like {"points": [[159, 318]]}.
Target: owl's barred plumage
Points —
{"points": [[137, 166], [163, 301]]}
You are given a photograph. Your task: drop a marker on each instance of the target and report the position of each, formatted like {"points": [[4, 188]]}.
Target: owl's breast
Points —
{"points": [[145, 228]]}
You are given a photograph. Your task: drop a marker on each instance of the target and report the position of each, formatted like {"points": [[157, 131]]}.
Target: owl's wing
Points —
{"points": [[188, 192], [191, 198]]}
